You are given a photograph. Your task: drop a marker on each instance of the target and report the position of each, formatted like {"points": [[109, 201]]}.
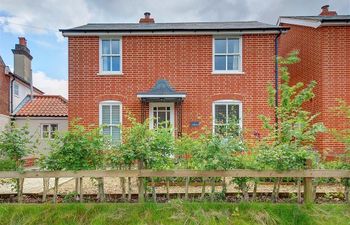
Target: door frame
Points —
{"points": [[160, 104]]}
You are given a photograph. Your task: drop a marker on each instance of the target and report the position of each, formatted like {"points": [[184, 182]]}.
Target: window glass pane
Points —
{"points": [[106, 114], [54, 128], [106, 63], [115, 114], [220, 129], [115, 47], [106, 131], [233, 45], [115, 63], [45, 131], [235, 62], [16, 89], [230, 62], [220, 45], [115, 134], [106, 47], [233, 112], [220, 62], [161, 117], [220, 114]]}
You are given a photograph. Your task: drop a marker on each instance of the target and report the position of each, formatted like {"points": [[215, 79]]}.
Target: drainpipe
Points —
{"points": [[11, 95], [276, 77]]}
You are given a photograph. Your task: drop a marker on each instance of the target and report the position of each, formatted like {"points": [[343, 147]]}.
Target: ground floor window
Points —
{"points": [[227, 117], [111, 119], [48, 131]]}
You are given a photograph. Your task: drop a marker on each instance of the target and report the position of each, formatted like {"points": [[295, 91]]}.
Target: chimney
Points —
{"points": [[147, 18], [326, 12], [22, 60]]}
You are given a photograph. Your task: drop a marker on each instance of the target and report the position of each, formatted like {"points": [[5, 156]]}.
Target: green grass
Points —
{"points": [[174, 213]]}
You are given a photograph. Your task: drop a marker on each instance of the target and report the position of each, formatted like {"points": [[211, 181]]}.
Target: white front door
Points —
{"points": [[161, 114]]}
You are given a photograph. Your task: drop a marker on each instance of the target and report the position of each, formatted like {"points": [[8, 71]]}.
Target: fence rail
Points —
{"points": [[307, 175], [312, 173]]}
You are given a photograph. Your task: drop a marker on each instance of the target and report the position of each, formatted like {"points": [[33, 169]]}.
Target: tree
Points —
{"points": [[290, 139], [15, 144], [77, 149], [344, 137]]}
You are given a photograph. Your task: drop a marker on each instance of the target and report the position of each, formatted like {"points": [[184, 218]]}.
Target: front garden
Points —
{"points": [[231, 165]]}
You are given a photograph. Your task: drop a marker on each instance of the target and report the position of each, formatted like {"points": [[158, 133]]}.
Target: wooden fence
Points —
{"points": [[307, 175]]}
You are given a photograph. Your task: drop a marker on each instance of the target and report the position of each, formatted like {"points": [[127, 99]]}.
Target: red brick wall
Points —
{"points": [[4, 91], [185, 61], [324, 54]]}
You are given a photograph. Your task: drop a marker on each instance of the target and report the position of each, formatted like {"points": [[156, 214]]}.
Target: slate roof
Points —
{"points": [[162, 87], [190, 26], [338, 18], [44, 106]]}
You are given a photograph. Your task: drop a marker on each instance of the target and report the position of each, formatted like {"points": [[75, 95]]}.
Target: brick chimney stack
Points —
{"points": [[326, 12], [22, 41], [22, 60], [147, 18]]}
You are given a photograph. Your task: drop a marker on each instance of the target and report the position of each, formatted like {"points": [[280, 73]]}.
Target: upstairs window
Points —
{"points": [[227, 117], [110, 56], [227, 55], [16, 89], [48, 131], [111, 119]]}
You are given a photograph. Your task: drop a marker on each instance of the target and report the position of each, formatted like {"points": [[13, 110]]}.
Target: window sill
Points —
{"points": [[110, 74], [227, 73]]}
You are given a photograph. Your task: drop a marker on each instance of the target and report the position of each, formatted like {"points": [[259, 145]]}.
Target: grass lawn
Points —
{"points": [[174, 213]]}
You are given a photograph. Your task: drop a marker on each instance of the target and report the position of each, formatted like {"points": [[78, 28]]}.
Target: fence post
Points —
{"points": [[55, 190], [187, 181], [308, 195], [140, 183], [45, 188], [81, 197], [20, 189]]}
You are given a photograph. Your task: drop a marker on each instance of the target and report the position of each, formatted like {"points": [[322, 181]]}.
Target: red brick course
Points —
{"points": [[186, 62], [325, 58], [4, 91]]}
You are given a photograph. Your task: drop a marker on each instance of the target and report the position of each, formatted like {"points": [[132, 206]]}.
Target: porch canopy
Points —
{"points": [[162, 92]]}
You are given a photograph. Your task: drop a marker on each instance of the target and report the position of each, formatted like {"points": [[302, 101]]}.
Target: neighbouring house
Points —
{"points": [[44, 115], [192, 75], [23, 103], [15, 86], [4, 94], [324, 45]]}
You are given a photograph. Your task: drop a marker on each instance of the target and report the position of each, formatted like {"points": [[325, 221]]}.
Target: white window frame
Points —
{"points": [[110, 103], [49, 125], [240, 60], [228, 102], [15, 84], [161, 104], [101, 72]]}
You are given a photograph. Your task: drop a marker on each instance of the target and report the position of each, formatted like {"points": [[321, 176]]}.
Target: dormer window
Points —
{"points": [[110, 56]]}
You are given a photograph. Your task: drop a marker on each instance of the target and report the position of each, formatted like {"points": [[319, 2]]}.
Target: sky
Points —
{"points": [[39, 21]]}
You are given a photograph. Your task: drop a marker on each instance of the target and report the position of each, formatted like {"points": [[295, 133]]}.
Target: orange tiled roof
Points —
{"points": [[45, 105]]}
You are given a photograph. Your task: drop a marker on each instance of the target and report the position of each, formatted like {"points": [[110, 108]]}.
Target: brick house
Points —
{"points": [[324, 45], [192, 75]]}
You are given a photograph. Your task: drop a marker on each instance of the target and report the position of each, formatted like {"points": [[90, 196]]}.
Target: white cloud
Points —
{"points": [[42, 17], [50, 85]]}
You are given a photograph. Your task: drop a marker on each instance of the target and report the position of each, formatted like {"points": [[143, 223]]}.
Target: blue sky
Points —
{"points": [[40, 20]]}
